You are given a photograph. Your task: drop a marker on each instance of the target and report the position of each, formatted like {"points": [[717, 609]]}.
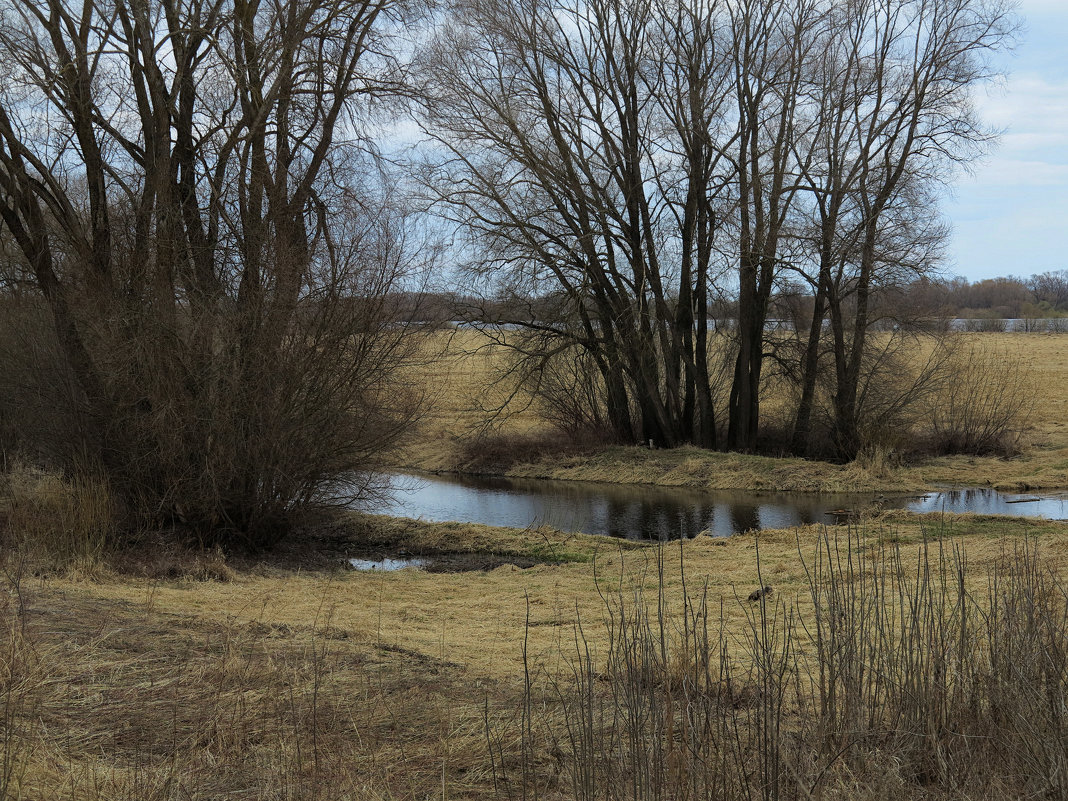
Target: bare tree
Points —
{"points": [[890, 91], [580, 158], [630, 154], [929, 55], [770, 45], [1051, 288], [185, 182]]}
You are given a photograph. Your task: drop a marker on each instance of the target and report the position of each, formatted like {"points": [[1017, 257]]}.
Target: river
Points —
{"points": [[648, 512]]}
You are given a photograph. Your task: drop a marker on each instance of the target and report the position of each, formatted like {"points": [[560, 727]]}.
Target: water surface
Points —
{"points": [[389, 563], [1050, 506], [655, 513]]}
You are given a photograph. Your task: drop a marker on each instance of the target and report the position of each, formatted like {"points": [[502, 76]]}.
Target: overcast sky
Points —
{"points": [[1011, 216]]}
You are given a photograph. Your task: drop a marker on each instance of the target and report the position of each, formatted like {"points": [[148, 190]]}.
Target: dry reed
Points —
{"points": [[895, 678]]}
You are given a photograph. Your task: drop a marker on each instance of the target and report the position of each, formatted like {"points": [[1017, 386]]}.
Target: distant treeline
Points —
{"points": [[1042, 295]]}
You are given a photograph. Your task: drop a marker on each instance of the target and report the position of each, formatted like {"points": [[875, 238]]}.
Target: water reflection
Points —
{"points": [[990, 502], [386, 564], [655, 513]]}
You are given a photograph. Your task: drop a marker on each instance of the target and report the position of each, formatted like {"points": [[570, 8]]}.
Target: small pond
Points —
{"points": [[655, 513], [387, 563]]}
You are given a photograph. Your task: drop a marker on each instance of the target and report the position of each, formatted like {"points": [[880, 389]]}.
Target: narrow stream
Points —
{"points": [[654, 513]]}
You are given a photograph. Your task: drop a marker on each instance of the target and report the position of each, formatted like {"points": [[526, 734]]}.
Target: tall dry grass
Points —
{"points": [[889, 678], [20, 683], [66, 522], [892, 672]]}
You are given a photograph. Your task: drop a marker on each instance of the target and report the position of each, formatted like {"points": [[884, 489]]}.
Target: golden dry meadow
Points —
{"points": [[467, 396], [183, 677], [154, 672]]}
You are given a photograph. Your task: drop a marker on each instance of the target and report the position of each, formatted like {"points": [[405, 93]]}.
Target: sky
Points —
{"points": [[1010, 216]]}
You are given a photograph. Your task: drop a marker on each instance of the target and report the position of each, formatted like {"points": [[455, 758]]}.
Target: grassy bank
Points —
{"points": [[693, 467], [131, 676], [463, 433]]}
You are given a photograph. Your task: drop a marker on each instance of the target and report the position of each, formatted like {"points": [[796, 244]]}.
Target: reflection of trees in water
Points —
{"points": [[664, 514], [618, 516], [670, 521], [655, 522], [744, 517], [642, 519], [622, 515], [808, 514], [648, 522], [968, 497], [692, 519]]}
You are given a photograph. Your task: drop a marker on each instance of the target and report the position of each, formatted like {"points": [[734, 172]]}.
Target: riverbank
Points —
{"points": [[697, 469], [1039, 468], [481, 426], [144, 677]]}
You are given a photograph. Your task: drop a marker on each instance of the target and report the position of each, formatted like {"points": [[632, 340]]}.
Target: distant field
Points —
{"points": [[1043, 462], [459, 371], [462, 365]]}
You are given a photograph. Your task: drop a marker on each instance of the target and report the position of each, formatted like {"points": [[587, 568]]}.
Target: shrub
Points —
{"points": [[900, 372], [984, 401], [216, 421], [491, 453], [570, 394]]}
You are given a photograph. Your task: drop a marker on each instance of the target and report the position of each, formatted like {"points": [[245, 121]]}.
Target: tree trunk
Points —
{"points": [[799, 443]]}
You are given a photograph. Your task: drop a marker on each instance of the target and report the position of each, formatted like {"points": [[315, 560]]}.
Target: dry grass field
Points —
{"points": [[164, 678], [1043, 462], [900, 657], [465, 429]]}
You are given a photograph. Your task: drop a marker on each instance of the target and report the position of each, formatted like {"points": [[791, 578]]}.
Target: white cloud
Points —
{"points": [[1018, 173], [1009, 216], [1029, 7], [1031, 141], [1028, 103]]}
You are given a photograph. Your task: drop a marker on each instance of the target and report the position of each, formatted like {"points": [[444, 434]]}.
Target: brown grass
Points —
{"points": [[468, 397], [285, 682], [138, 700], [1044, 460], [899, 675], [70, 523], [459, 369]]}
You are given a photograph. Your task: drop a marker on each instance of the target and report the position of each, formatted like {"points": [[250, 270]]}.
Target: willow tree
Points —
{"points": [[892, 99], [578, 142], [632, 159], [183, 180], [771, 44]]}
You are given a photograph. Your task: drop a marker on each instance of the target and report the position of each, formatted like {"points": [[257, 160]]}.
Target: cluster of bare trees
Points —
{"points": [[1041, 295], [188, 199], [205, 262], [637, 159]]}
